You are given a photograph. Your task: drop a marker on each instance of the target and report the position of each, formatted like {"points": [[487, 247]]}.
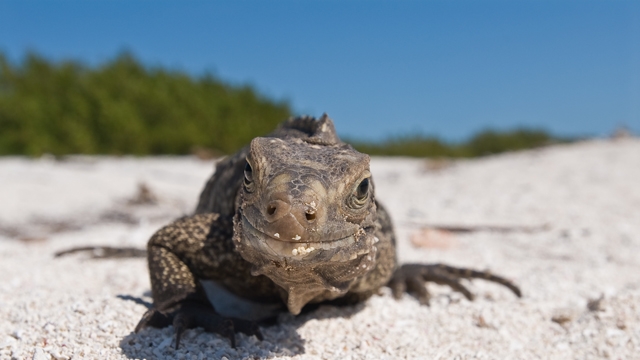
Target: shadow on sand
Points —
{"points": [[280, 337]]}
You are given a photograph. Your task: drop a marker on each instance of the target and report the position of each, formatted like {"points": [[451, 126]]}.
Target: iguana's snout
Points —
{"points": [[298, 207], [292, 218]]}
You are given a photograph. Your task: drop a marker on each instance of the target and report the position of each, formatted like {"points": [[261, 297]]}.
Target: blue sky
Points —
{"points": [[378, 68]]}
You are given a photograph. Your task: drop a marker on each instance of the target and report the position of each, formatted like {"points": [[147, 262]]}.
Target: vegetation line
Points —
{"points": [[123, 107]]}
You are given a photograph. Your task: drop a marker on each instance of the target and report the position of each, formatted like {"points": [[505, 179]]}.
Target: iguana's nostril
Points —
{"points": [[310, 217], [276, 209]]}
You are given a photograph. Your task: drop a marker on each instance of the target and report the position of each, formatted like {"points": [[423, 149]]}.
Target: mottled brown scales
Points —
{"points": [[195, 248], [291, 219]]}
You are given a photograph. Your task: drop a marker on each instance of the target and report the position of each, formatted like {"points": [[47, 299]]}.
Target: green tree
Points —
{"points": [[123, 107]]}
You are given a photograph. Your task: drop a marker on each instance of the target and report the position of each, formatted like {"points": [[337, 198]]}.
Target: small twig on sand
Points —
{"points": [[476, 228], [105, 252]]}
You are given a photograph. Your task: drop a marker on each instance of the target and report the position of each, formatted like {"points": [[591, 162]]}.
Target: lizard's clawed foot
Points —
{"points": [[412, 278], [190, 315]]}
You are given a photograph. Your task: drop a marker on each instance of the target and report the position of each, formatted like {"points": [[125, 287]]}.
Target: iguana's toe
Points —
{"points": [[153, 318], [412, 278]]}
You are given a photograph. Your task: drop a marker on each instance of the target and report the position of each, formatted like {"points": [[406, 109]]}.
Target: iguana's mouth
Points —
{"points": [[302, 249]]}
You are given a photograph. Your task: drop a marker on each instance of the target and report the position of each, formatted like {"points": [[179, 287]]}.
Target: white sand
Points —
{"points": [[587, 195]]}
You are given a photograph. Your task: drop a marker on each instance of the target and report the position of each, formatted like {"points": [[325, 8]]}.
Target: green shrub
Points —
{"points": [[484, 143], [125, 108]]}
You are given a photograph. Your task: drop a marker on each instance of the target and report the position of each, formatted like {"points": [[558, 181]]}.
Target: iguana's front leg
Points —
{"points": [[179, 255]]}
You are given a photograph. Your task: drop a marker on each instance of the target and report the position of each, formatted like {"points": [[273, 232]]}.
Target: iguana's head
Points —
{"points": [[306, 215]]}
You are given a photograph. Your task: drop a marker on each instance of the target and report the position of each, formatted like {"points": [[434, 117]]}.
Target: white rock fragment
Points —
{"points": [[301, 250], [166, 342], [313, 207], [39, 354], [56, 355], [105, 326], [7, 342], [17, 334]]}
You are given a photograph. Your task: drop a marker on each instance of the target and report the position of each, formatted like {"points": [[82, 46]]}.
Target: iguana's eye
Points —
{"points": [[359, 197], [363, 190], [248, 177]]}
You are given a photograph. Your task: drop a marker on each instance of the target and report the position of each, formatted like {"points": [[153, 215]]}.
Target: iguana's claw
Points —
{"points": [[412, 278], [191, 315], [153, 318]]}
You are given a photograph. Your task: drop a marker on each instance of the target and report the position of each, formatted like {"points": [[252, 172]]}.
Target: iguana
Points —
{"points": [[290, 219]]}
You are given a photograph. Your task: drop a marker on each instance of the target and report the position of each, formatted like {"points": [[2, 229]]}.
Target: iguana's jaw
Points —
{"points": [[257, 247], [342, 249], [305, 275]]}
